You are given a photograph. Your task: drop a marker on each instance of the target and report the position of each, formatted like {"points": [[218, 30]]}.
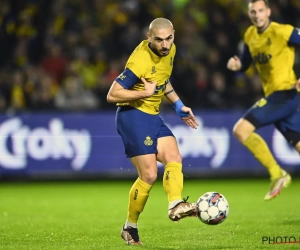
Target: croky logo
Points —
{"points": [[20, 144], [148, 141], [262, 58], [136, 192]]}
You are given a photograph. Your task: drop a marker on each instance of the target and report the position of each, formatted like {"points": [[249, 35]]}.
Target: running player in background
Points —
{"points": [[138, 92], [270, 46]]}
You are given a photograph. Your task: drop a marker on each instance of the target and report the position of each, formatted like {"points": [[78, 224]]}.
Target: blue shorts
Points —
{"points": [[140, 131], [280, 109]]}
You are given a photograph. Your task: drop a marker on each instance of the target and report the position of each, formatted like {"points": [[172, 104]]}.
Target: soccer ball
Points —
{"points": [[212, 208]]}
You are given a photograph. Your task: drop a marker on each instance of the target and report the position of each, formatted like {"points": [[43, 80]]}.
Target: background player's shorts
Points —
{"points": [[280, 109], [139, 131]]}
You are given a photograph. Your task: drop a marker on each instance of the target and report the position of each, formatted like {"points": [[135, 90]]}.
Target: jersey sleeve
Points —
{"points": [[295, 37], [246, 58], [137, 63], [285, 31], [127, 79], [247, 35], [134, 71]]}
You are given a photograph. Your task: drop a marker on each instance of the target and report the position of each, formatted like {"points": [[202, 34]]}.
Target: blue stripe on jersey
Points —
{"points": [[246, 58], [295, 37], [127, 79]]}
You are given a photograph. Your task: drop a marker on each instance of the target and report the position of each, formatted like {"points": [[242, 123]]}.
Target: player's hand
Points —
{"points": [[150, 87], [297, 85], [191, 119], [234, 63]]}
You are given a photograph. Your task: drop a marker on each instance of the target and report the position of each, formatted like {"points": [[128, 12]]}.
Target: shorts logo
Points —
{"points": [[148, 141], [262, 102]]}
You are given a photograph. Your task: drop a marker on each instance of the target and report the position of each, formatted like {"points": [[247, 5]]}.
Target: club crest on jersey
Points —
{"points": [[148, 141], [262, 58], [171, 61], [153, 70], [269, 42]]}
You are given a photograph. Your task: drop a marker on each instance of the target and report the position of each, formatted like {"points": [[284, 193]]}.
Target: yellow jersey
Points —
{"points": [[272, 56], [144, 63]]}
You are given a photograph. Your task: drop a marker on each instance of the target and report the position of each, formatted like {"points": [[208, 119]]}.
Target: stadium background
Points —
{"points": [[59, 58]]}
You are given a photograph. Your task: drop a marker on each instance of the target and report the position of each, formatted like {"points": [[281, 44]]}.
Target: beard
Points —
{"points": [[163, 52]]}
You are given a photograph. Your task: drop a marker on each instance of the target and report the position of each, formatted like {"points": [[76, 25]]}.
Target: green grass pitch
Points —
{"points": [[89, 215]]}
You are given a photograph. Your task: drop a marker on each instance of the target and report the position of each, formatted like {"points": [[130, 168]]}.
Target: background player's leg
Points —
{"points": [[244, 132], [168, 154]]}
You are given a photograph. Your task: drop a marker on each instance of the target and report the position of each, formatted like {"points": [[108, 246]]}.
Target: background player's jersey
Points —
{"points": [[272, 55], [143, 63]]}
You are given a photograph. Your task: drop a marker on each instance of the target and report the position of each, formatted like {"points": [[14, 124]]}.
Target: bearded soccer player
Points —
{"points": [[138, 92], [270, 46]]}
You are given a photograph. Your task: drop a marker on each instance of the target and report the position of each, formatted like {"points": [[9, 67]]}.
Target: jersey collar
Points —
{"points": [[154, 56], [263, 30]]}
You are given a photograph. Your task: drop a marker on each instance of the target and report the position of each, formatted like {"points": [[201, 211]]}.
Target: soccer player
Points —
{"points": [[270, 46], [138, 92]]}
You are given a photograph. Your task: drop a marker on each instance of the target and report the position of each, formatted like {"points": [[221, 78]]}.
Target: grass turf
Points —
{"points": [[89, 215]]}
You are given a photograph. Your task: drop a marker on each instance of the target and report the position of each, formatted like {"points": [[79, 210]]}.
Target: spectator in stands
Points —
{"points": [[73, 97], [55, 63], [50, 34]]}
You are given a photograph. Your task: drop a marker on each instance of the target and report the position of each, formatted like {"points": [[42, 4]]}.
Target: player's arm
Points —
{"points": [[185, 113], [294, 39], [292, 36], [240, 64], [120, 90], [297, 85]]}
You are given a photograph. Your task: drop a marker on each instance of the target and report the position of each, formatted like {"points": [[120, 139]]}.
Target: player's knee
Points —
{"points": [[243, 129], [178, 157], [174, 158], [149, 177], [239, 134], [170, 157]]}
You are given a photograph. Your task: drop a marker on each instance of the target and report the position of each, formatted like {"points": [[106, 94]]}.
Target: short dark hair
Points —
{"points": [[265, 1]]}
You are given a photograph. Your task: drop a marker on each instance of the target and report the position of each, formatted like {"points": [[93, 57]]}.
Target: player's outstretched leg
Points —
{"points": [[182, 209], [131, 236], [277, 184]]}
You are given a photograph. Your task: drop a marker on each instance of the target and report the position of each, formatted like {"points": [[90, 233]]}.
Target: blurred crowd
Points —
{"points": [[63, 55]]}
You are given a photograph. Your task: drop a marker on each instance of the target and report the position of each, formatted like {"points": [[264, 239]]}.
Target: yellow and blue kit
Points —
{"points": [[273, 53], [138, 122]]}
